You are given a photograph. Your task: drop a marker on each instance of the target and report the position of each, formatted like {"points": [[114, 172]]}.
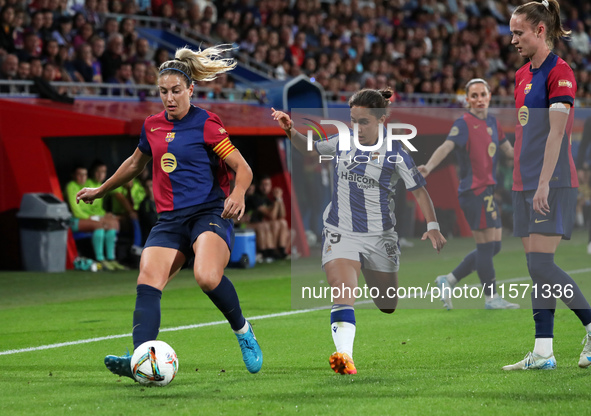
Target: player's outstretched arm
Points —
{"points": [[426, 205], [298, 140], [128, 170], [436, 158]]}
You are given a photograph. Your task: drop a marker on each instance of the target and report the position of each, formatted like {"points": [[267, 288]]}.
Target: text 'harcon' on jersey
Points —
{"points": [[377, 159]]}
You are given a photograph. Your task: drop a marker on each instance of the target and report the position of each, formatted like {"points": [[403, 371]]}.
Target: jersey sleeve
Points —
{"points": [[407, 170], [459, 133], [327, 147], [144, 145], [562, 86], [216, 136], [501, 133]]}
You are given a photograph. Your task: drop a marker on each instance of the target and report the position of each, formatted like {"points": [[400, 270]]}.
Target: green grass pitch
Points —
{"points": [[420, 360]]}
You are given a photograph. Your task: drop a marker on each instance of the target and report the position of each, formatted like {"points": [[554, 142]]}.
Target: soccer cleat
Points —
{"points": [[117, 266], [108, 265], [342, 363], [533, 361], [585, 360], [499, 303], [120, 366], [442, 282], [251, 352]]}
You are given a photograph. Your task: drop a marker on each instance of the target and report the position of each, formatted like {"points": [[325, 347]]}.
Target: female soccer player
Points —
{"points": [[359, 222], [476, 136], [544, 177], [191, 153]]}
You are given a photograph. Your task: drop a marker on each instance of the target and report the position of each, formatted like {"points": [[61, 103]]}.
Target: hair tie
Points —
{"points": [[175, 69], [177, 59], [546, 4]]}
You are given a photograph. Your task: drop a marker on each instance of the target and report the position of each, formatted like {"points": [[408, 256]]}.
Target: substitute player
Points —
{"points": [[191, 153], [358, 233], [544, 176], [476, 137]]}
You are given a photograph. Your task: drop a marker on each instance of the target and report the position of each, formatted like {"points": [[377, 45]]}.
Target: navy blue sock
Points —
{"points": [[224, 296], [146, 317], [467, 266], [497, 247], [342, 313], [544, 269], [485, 267]]}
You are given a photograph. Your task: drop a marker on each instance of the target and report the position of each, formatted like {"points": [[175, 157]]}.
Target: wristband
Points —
{"points": [[432, 226]]}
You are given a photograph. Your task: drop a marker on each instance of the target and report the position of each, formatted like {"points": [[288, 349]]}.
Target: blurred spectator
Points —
{"points": [[160, 56], [7, 29], [113, 57], [84, 35], [63, 32], [142, 52], [122, 76], [24, 71], [8, 71], [31, 47], [85, 65]]}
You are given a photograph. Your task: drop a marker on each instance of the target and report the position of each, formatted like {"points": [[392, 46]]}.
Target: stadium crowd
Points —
{"points": [[423, 46]]}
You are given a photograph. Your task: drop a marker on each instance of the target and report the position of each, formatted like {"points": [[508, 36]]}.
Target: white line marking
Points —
{"points": [[253, 318]]}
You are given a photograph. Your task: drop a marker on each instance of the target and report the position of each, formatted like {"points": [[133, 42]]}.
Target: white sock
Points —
{"points": [[343, 335], [452, 279], [588, 328], [244, 329], [543, 347]]}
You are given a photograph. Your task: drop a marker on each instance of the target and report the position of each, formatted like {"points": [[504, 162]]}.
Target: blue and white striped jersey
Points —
{"points": [[363, 188]]}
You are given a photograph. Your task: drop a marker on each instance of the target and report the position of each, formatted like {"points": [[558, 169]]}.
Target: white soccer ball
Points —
{"points": [[154, 363]]}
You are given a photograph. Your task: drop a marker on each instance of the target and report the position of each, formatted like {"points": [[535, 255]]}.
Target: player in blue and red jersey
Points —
{"points": [[476, 137], [544, 177], [191, 153]]}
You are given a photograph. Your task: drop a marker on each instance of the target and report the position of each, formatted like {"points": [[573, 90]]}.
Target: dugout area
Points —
{"points": [[41, 141]]}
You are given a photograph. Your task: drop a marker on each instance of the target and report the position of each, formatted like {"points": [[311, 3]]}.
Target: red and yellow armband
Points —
{"points": [[224, 148]]}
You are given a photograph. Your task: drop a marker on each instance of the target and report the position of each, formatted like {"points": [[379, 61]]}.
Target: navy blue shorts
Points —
{"points": [[180, 228], [481, 211], [559, 221]]}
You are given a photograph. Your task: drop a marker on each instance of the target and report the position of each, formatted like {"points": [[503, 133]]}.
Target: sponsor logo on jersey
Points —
{"points": [[168, 162], [328, 249], [492, 149], [169, 137], [154, 129], [494, 215], [565, 83], [363, 182], [222, 130], [527, 89], [454, 131], [523, 115], [489, 130]]}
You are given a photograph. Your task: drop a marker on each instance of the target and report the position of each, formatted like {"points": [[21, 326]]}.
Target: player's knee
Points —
{"points": [[283, 223], [208, 278]]}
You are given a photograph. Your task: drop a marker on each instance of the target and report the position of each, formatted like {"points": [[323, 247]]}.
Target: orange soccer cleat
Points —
{"points": [[342, 363]]}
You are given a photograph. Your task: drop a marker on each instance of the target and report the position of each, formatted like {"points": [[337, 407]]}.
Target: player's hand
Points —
{"points": [[540, 201], [437, 239], [233, 207], [87, 195], [282, 118], [424, 171]]}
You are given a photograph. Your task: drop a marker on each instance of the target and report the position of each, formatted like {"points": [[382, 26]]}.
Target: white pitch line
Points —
{"points": [[253, 318]]}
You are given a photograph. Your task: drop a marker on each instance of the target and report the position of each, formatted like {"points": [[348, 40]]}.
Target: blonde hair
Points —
{"points": [[203, 65], [547, 12]]}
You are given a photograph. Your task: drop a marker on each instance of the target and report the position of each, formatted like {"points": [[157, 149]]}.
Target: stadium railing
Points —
{"points": [[14, 88]]}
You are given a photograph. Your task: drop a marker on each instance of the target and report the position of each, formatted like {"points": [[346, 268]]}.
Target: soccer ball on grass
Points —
{"points": [[154, 363]]}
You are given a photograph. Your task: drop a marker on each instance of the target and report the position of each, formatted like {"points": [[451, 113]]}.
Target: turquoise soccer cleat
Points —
{"points": [[120, 366], [251, 352]]}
